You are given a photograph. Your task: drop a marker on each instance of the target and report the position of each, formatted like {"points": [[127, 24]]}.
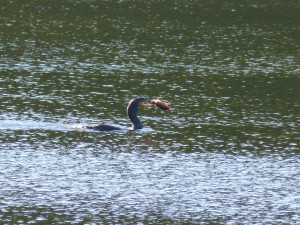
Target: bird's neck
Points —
{"points": [[136, 123]]}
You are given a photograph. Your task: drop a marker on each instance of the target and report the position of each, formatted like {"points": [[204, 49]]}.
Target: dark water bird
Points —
{"points": [[133, 106]]}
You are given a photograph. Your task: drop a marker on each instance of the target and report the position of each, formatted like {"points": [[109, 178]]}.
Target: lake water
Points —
{"points": [[227, 152]]}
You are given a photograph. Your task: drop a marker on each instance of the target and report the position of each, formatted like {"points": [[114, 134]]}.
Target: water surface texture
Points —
{"points": [[227, 152]]}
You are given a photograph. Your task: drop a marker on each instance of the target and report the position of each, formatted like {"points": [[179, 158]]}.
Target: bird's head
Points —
{"points": [[137, 103]]}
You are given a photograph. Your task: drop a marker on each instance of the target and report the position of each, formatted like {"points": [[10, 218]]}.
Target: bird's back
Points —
{"points": [[103, 127]]}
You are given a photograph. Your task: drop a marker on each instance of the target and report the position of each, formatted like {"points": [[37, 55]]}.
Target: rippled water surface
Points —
{"points": [[226, 153]]}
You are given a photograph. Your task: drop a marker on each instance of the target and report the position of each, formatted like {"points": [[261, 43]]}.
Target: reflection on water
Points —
{"points": [[226, 152], [94, 182]]}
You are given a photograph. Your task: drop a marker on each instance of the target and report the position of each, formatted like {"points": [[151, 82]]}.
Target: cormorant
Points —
{"points": [[132, 109]]}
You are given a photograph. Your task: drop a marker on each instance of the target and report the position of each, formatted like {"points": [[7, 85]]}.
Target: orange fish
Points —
{"points": [[160, 104]]}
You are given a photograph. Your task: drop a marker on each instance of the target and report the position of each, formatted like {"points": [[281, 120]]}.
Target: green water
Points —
{"points": [[228, 150]]}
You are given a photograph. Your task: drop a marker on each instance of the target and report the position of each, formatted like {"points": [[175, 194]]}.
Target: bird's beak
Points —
{"points": [[144, 104]]}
